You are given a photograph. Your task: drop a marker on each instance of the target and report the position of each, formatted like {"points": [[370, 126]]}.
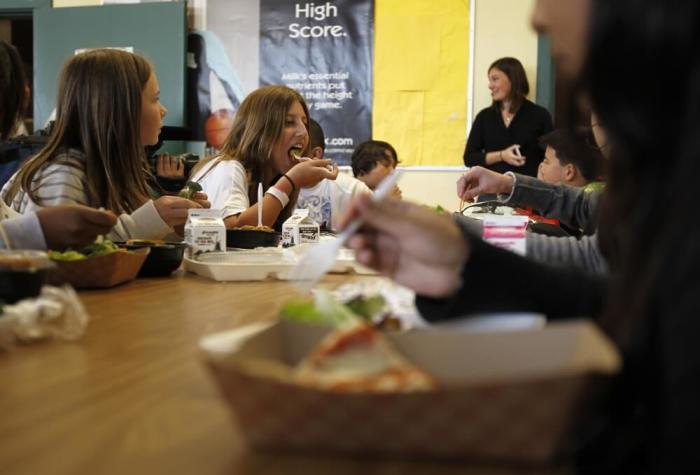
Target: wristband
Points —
{"points": [[281, 196], [291, 182]]}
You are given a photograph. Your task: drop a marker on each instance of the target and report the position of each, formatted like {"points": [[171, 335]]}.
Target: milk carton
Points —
{"points": [[299, 228], [205, 230], [507, 232]]}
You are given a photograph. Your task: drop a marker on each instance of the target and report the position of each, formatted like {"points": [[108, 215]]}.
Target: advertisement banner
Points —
{"points": [[323, 50]]}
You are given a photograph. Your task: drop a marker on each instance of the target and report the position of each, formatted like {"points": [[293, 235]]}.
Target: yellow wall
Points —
{"points": [[502, 28], [421, 55]]}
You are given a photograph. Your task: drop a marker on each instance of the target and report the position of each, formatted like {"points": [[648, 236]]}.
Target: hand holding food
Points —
{"points": [[73, 225], [173, 209], [309, 173], [412, 244], [480, 180]]}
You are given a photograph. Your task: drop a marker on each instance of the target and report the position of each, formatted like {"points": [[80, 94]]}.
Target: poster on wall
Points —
{"points": [[323, 50]]}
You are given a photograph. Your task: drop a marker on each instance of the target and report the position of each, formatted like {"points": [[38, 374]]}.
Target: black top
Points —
{"points": [[489, 133], [650, 420]]}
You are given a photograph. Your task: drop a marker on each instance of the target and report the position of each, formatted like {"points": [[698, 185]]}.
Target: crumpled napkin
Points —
{"points": [[57, 312]]}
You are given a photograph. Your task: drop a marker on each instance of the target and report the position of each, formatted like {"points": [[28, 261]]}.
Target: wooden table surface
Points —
{"points": [[132, 395]]}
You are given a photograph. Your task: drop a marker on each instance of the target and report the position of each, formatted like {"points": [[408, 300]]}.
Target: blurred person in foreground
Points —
{"points": [[650, 420]]}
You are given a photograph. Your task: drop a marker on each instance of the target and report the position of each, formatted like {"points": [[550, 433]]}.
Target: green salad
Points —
{"points": [[91, 250], [326, 310]]}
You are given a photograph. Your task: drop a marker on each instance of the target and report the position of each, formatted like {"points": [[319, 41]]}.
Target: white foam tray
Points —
{"points": [[262, 264]]}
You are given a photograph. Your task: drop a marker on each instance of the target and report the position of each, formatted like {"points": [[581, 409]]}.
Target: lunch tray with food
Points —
{"points": [[506, 396]]}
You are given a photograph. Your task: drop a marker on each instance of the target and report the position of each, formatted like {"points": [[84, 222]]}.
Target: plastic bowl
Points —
{"points": [[164, 259], [22, 274], [251, 238]]}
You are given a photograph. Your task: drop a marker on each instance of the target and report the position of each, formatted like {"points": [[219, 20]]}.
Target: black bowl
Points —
{"points": [[22, 274], [164, 259], [252, 238]]}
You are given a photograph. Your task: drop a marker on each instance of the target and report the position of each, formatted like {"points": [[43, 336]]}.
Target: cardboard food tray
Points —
{"points": [[260, 264], [510, 396], [101, 271]]}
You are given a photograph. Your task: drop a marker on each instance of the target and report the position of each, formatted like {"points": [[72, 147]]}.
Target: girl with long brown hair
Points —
{"points": [[108, 110], [269, 130]]}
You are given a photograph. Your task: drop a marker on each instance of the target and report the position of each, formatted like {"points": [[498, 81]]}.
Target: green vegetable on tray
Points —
{"points": [[326, 310], [91, 250], [191, 187]]}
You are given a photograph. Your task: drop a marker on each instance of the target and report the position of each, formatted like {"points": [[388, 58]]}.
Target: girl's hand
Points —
{"points": [[308, 173], [173, 209]]}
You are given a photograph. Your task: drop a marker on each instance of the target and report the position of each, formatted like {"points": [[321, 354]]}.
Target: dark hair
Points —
{"points": [[369, 153], [316, 136], [576, 147], [647, 217], [100, 96], [519, 85], [13, 93]]}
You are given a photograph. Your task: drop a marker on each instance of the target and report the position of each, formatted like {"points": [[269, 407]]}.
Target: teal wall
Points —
{"points": [[155, 30], [546, 77]]}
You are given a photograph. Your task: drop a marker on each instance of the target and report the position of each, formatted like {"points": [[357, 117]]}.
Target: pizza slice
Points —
{"points": [[360, 359]]}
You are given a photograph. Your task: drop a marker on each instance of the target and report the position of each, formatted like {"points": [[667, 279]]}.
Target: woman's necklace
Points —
{"points": [[507, 117]]}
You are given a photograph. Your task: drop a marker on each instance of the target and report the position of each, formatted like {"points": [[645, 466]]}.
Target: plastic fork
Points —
{"points": [[320, 257], [260, 205]]}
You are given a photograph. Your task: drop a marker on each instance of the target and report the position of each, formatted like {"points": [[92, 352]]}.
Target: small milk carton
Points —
{"points": [[507, 232], [205, 230], [299, 228]]}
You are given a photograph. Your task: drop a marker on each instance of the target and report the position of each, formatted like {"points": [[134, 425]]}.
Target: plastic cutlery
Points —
{"points": [[260, 204], [315, 262]]}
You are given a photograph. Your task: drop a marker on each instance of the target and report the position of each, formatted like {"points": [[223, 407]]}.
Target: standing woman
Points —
{"points": [[504, 137], [268, 132], [108, 109]]}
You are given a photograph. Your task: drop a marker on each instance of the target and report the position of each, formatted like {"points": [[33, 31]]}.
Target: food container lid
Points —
{"points": [[24, 260]]}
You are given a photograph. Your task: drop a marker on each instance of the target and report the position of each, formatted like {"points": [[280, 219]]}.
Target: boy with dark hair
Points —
{"points": [[570, 158], [372, 161], [328, 199]]}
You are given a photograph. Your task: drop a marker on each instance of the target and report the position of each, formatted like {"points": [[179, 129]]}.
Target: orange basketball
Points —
{"points": [[217, 127]]}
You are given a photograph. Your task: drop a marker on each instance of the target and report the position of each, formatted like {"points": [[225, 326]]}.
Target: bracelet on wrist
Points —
{"points": [[291, 182], [500, 155], [281, 196]]}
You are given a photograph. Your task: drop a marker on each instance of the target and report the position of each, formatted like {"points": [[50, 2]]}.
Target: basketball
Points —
{"points": [[217, 127]]}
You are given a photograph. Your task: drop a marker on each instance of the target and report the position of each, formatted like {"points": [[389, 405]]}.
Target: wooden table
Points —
{"points": [[132, 395]]}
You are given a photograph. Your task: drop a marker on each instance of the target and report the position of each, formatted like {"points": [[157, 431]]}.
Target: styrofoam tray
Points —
{"points": [[262, 264]]}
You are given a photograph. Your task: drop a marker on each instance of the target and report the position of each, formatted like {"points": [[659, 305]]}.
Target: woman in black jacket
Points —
{"points": [[635, 61], [505, 136]]}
